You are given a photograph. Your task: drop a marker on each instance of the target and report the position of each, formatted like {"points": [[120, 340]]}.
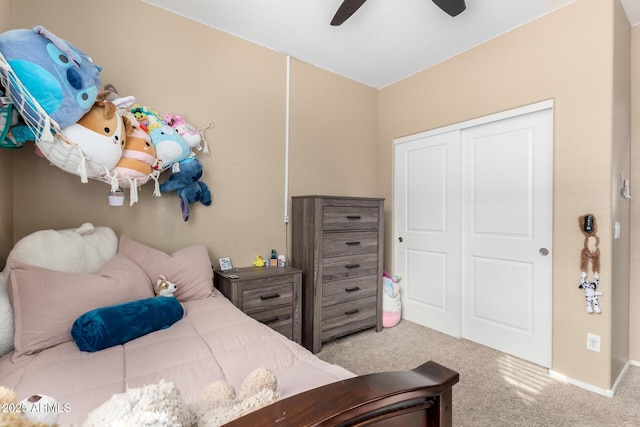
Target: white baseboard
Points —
{"points": [[609, 393], [581, 384], [622, 374]]}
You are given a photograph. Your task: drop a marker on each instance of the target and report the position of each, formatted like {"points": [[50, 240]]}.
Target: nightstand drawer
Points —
{"points": [[271, 295], [337, 218], [265, 297], [279, 319], [348, 290], [345, 267], [345, 314], [349, 243]]}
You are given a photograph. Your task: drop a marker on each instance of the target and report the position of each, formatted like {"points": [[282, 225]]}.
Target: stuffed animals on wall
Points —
{"points": [[35, 411], [170, 147], [138, 161], [188, 185], [142, 113], [590, 255], [59, 76], [100, 134], [184, 129], [161, 405], [6, 117], [391, 305]]}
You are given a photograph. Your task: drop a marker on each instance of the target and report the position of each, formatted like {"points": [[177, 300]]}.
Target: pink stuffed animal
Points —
{"points": [[184, 129], [391, 305]]}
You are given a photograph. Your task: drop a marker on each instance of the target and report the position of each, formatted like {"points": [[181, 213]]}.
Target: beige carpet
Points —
{"points": [[495, 389]]}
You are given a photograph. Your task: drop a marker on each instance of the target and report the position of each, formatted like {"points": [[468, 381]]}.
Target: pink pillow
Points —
{"points": [[189, 268], [47, 302]]}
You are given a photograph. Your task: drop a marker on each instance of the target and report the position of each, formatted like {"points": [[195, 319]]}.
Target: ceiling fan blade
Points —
{"points": [[452, 7], [346, 9]]}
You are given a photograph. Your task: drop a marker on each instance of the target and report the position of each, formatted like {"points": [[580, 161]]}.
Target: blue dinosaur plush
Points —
{"points": [[188, 185], [59, 76]]}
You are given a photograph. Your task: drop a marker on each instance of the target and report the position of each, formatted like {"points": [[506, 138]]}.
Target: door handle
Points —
{"points": [[400, 239], [544, 251]]}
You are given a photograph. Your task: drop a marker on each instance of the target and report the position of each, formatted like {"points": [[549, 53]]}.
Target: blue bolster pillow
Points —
{"points": [[116, 324]]}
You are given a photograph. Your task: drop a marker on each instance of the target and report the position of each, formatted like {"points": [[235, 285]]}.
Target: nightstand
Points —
{"points": [[271, 295]]}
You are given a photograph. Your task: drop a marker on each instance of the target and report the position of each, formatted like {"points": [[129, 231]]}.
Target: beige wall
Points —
{"points": [[175, 65], [621, 167], [634, 298], [565, 56], [6, 167]]}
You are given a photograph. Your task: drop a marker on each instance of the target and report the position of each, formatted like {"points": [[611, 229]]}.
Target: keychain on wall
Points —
{"points": [[590, 254]]}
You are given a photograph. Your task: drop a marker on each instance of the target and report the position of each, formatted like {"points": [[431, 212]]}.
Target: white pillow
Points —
{"points": [[74, 250], [6, 322]]}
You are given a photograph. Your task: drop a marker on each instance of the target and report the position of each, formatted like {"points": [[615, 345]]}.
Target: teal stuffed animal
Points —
{"points": [[59, 76], [188, 185]]}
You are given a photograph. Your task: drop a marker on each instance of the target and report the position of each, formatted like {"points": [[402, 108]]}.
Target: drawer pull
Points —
{"points": [[353, 243], [352, 311], [352, 266], [354, 217], [355, 288], [269, 296], [270, 320]]}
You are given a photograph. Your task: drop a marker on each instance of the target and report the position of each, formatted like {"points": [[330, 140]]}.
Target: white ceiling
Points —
{"points": [[382, 43]]}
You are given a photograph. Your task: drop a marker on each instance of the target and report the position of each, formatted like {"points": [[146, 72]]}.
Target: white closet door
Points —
{"points": [[473, 227], [507, 234], [427, 212]]}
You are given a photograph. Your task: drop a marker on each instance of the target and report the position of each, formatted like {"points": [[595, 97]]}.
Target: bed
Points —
{"points": [[213, 340]]}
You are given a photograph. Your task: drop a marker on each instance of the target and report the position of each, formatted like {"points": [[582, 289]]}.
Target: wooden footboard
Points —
{"points": [[419, 397]]}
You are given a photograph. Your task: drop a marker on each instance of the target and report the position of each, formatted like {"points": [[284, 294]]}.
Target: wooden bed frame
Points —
{"points": [[419, 397]]}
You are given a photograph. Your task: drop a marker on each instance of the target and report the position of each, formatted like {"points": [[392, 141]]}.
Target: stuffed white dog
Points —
{"points": [[164, 288], [590, 294]]}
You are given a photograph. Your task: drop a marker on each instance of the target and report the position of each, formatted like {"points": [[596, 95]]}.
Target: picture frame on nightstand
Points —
{"points": [[225, 264]]}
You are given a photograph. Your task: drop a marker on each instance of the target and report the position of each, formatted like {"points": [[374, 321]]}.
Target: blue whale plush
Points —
{"points": [[59, 76]]}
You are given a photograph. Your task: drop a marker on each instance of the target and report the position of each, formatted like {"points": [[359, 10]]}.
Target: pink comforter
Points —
{"points": [[213, 341]]}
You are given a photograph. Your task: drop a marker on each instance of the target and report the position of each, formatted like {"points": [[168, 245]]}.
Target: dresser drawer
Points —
{"points": [[348, 290], [266, 297], [279, 319], [346, 267], [336, 218], [348, 313], [349, 243]]}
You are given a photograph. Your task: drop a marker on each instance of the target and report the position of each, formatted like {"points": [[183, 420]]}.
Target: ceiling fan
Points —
{"points": [[349, 7]]}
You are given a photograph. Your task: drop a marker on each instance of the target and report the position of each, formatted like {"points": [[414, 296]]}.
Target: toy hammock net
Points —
{"points": [[49, 138], [51, 141]]}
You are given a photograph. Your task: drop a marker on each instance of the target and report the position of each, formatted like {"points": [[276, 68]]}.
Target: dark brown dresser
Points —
{"points": [[338, 244], [270, 295]]}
